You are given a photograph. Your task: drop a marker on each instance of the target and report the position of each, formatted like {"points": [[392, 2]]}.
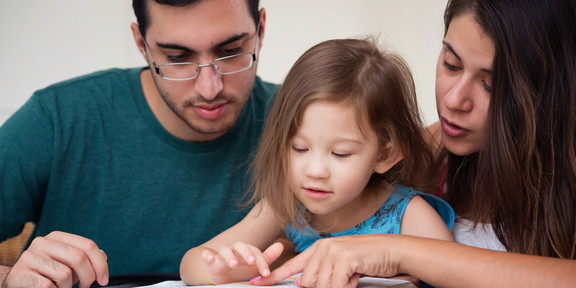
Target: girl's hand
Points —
{"points": [[242, 258]]}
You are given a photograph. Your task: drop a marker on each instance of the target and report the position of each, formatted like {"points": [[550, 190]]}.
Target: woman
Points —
{"points": [[506, 99]]}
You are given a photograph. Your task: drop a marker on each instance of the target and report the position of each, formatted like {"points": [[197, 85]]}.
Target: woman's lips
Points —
{"points": [[453, 130]]}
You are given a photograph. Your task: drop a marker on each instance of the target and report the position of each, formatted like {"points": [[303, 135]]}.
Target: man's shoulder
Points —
{"points": [[112, 76], [264, 88], [96, 89]]}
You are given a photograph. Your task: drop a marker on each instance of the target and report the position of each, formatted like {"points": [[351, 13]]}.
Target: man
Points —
{"points": [[135, 166]]}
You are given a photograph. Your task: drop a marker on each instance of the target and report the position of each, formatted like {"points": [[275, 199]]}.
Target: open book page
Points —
{"points": [[365, 282]]}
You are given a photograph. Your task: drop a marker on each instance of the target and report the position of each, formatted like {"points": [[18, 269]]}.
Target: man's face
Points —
{"points": [[204, 108]]}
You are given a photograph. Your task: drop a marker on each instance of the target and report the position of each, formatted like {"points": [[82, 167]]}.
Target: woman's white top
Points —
{"points": [[483, 236]]}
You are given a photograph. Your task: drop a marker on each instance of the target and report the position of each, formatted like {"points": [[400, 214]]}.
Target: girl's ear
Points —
{"points": [[388, 158]]}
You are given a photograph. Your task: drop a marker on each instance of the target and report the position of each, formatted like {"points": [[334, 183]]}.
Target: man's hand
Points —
{"points": [[59, 260]]}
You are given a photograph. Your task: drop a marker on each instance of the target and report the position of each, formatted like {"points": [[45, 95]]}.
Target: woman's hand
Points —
{"points": [[339, 262]]}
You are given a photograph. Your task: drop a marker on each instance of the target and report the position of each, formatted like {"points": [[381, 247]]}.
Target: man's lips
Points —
{"points": [[211, 112], [453, 130]]}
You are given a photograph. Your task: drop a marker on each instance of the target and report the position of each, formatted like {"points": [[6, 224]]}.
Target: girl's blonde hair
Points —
{"points": [[377, 84]]}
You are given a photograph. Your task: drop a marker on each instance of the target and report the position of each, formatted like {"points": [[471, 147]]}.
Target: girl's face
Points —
{"points": [[331, 160], [463, 85]]}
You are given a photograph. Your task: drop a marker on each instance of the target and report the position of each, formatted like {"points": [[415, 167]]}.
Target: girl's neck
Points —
{"points": [[353, 213]]}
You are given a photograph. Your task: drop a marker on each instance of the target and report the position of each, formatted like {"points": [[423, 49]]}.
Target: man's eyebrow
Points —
{"points": [[227, 41]]}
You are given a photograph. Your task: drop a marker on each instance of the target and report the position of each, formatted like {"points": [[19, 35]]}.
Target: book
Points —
{"points": [[365, 282]]}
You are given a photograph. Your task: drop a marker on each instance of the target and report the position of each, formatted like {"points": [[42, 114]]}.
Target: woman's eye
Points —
{"points": [[486, 87], [450, 67]]}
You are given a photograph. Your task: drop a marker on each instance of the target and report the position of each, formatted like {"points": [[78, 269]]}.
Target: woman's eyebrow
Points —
{"points": [[449, 47]]}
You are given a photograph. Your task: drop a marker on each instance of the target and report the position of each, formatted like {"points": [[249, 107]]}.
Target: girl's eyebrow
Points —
{"points": [[227, 41]]}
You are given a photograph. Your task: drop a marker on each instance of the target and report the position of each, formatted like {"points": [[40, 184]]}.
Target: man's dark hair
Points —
{"points": [[142, 16]]}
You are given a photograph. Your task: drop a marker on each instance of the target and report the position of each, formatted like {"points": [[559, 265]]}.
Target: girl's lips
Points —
{"points": [[453, 130], [210, 113], [316, 194]]}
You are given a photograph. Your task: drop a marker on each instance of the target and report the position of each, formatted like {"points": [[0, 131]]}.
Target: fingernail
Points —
{"points": [[255, 278], [266, 272], [104, 279]]}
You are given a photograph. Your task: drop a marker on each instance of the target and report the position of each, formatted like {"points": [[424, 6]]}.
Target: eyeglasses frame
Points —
{"points": [[200, 66]]}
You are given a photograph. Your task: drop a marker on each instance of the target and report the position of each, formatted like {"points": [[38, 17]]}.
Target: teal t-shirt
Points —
{"points": [[87, 156]]}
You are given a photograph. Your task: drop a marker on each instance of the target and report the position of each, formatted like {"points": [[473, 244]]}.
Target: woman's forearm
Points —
{"points": [[3, 272], [448, 264]]}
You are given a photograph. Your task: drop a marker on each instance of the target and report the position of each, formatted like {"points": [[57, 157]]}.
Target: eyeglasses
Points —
{"points": [[189, 70]]}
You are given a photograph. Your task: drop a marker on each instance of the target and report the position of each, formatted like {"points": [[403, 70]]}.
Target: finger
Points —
{"points": [[291, 267], [248, 253], [227, 255], [207, 256], [261, 263], [273, 252], [354, 280], [318, 272], [82, 255], [33, 270]]}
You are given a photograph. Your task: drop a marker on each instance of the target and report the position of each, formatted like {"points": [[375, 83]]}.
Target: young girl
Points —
{"points": [[342, 145]]}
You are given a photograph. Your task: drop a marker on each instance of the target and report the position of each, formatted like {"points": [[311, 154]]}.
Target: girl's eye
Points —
{"points": [[450, 67], [341, 155], [298, 149]]}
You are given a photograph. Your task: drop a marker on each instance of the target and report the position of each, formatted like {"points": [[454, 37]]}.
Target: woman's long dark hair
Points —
{"points": [[524, 179]]}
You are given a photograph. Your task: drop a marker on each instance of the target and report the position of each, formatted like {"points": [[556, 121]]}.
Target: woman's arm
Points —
{"points": [[334, 262], [235, 254]]}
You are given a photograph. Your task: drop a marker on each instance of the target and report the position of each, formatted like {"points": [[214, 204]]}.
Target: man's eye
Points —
{"points": [[228, 52], [178, 58]]}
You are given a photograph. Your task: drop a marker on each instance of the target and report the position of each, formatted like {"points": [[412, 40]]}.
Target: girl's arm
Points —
{"points": [[421, 219], [335, 262], [235, 254]]}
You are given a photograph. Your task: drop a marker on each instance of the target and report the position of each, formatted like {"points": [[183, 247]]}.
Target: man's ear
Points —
{"points": [[388, 158], [138, 40]]}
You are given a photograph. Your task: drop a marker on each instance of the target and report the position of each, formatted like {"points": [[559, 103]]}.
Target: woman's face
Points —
{"points": [[463, 85]]}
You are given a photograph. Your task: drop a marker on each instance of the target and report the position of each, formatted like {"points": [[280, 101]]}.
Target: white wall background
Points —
{"points": [[42, 42]]}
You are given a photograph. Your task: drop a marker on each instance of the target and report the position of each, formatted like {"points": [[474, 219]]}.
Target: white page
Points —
{"points": [[365, 282]]}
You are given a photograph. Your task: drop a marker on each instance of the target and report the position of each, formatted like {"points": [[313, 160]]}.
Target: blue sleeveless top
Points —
{"points": [[386, 220]]}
